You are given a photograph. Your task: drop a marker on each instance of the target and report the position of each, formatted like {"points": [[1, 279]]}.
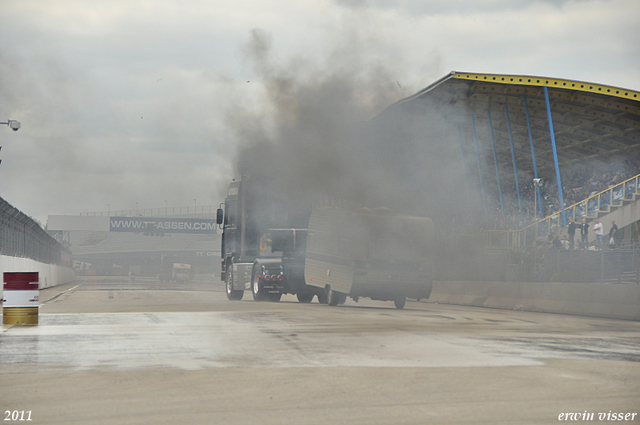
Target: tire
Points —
{"points": [[305, 297], [231, 294], [256, 286], [400, 302], [322, 298], [333, 297]]}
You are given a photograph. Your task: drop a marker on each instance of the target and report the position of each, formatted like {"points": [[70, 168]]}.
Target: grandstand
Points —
{"points": [[582, 139]]}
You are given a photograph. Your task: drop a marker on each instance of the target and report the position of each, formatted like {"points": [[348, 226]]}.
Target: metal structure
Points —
{"points": [[20, 236], [534, 125]]}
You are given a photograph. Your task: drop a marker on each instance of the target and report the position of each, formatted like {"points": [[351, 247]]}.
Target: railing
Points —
{"points": [[150, 212], [606, 197], [528, 235]]}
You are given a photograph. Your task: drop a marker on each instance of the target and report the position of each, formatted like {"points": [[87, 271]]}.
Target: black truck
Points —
{"points": [[272, 247]]}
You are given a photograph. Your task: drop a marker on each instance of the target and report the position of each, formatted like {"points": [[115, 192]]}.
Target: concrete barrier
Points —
{"points": [[608, 300], [50, 274]]}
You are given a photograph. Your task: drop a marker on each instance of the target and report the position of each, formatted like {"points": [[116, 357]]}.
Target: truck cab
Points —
{"points": [[263, 242]]}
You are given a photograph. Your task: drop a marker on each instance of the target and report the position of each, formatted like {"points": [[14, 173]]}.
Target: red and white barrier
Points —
{"points": [[20, 298]]}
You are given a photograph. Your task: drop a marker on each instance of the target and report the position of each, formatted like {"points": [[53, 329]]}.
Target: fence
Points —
{"points": [[21, 236], [620, 265], [468, 258]]}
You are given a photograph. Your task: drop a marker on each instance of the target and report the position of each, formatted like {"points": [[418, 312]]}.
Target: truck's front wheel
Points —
{"points": [[231, 294]]}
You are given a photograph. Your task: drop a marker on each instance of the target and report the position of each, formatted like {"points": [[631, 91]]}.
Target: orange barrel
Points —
{"points": [[20, 300]]}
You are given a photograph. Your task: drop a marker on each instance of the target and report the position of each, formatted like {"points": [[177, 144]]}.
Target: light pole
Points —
{"points": [[165, 207], [13, 124], [194, 205], [536, 184]]}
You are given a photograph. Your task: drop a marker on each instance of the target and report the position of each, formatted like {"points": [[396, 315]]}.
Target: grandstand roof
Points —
{"points": [[590, 121]]}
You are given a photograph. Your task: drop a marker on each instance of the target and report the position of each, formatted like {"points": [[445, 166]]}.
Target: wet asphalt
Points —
{"points": [[111, 350]]}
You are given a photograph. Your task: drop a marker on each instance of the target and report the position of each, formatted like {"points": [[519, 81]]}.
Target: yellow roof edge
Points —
{"points": [[558, 83]]}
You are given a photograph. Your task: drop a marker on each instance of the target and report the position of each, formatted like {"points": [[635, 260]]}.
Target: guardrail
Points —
{"points": [[521, 238]]}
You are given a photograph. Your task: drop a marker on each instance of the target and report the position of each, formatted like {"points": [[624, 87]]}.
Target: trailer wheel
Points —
{"points": [[400, 302], [231, 294], [256, 286], [305, 297], [334, 297]]}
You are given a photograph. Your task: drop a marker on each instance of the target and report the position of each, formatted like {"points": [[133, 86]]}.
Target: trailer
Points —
{"points": [[272, 248], [368, 253]]}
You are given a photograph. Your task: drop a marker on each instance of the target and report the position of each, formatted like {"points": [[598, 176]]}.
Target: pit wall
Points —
{"points": [[49, 274], [607, 300]]}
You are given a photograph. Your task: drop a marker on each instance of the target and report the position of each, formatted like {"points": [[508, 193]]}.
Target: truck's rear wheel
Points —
{"points": [[305, 297], [256, 286], [231, 294], [400, 302]]}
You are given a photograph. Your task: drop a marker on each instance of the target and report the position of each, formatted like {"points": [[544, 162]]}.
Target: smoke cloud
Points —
{"points": [[329, 131]]}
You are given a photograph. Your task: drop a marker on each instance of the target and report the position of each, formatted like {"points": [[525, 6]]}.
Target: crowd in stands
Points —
{"points": [[578, 183]]}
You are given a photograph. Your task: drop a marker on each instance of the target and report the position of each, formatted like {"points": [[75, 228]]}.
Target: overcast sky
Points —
{"points": [[129, 103]]}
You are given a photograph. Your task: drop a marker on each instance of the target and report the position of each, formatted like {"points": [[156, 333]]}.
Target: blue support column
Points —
{"points": [[475, 139], [513, 157], [555, 156], [533, 155], [495, 161], [464, 164]]}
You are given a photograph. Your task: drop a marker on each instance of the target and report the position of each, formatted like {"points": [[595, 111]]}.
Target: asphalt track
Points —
{"points": [[114, 351]]}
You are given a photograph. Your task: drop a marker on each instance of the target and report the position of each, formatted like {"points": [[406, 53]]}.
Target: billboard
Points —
{"points": [[162, 225]]}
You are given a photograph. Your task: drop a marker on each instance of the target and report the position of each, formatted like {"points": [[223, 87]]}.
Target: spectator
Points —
{"points": [[557, 244], [612, 234], [571, 231], [554, 241], [584, 233], [597, 227]]}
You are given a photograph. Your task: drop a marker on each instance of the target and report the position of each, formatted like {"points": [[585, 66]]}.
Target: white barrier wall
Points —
{"points": [[609, 300], [49, 274]]}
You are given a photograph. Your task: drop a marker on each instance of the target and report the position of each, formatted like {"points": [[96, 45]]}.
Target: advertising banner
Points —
{"points": [[162, 225]]}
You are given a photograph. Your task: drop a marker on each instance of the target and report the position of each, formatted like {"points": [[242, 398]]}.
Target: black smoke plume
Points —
{"points": [[329, 131]]}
